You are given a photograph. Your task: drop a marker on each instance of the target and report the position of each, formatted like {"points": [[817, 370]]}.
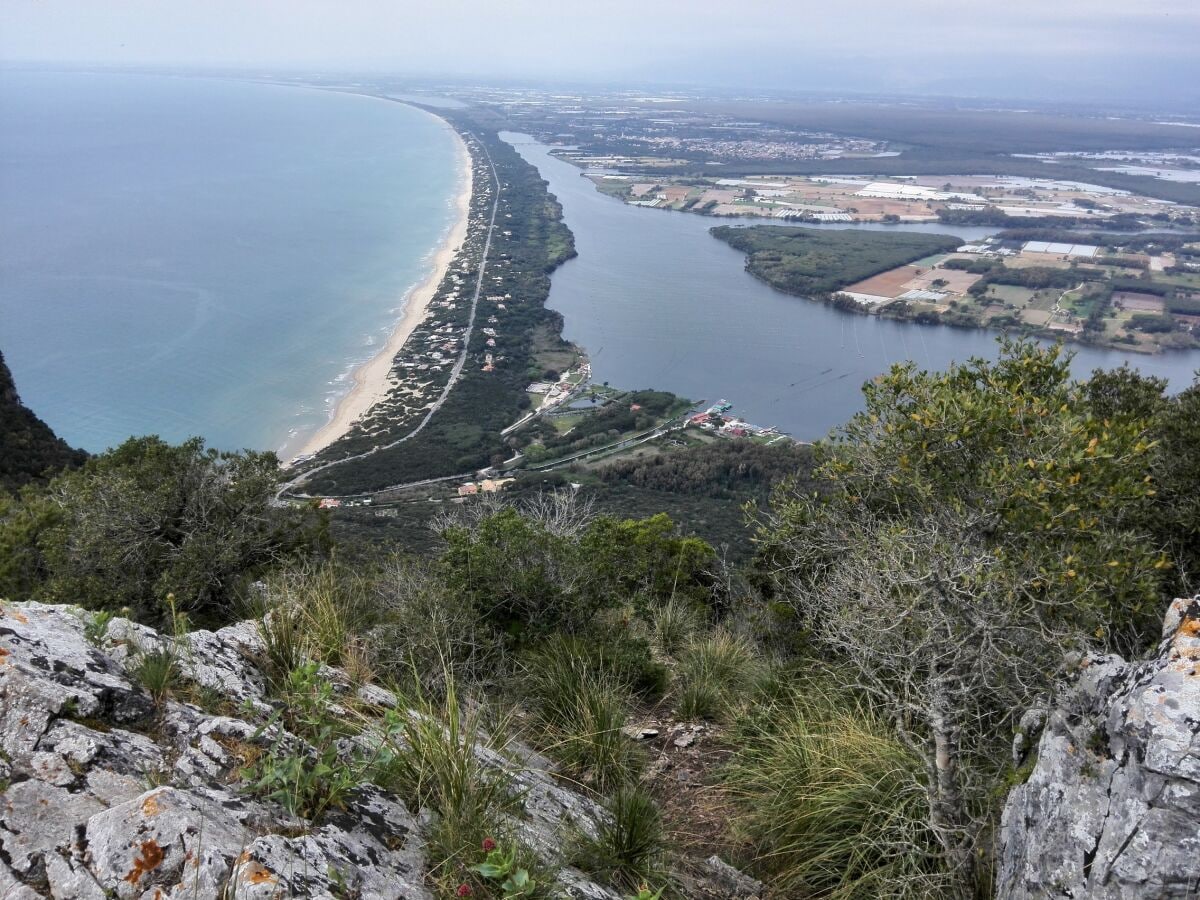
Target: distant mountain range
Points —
{"points": [[30, 451]]}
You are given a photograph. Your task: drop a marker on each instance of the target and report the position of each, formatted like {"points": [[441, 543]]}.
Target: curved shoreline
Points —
{"points": [[372, 380]]}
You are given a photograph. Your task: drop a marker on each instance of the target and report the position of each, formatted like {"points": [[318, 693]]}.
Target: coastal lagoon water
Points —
{"points": [[658, 302], [186, 256]]}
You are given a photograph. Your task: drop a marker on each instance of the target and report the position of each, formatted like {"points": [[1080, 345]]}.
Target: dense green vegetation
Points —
{"points": [[810, 262], [148, 520], [29, 449], [928, 574], [702, 488], [723, 470], [620, 416]]}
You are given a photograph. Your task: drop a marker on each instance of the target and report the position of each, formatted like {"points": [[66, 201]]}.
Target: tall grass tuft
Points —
{"points": [[313, 613], [158, 671], [716, 672], [286, 645], [630, 847], [581, 713], [834, 804], [673, 624], [434, 758]]}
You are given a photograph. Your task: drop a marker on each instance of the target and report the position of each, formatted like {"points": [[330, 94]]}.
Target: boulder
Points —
{"points": [[1111, 808]]}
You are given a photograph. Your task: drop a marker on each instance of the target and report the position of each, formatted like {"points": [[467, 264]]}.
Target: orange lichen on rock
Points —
{"points": [[151, 859], [150, 805], [254, 872]]}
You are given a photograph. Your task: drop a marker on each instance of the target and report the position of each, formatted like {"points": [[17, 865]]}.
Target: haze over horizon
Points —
{"points": [[1106, 51]]}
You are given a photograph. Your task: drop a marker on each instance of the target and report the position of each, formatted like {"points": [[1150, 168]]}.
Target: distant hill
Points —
{"points": [[29, 449]]}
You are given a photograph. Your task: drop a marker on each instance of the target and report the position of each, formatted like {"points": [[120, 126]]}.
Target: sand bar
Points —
{"points": [[372, 380]]}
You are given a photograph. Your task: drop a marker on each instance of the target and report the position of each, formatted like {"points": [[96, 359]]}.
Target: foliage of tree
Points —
{"points": [[150, 519], [976, 526], [1174, 516], [530, 573], [29, 450], [727, 469]]}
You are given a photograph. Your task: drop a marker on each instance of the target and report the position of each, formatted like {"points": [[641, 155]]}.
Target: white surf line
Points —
{"points": [[455, 373]]}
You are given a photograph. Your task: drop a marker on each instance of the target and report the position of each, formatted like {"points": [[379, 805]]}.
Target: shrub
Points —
{"points": [[147, 518], [427, 633], [833, 803], [629, 848], [581, 713], [307, 780], [714, 672]]}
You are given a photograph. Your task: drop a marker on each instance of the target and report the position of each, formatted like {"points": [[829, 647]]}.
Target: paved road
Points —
{"points": [[455, 373]]}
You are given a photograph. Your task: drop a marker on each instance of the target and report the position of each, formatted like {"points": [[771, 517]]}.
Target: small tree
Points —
{"points": [[150, 518], [974, 527]]}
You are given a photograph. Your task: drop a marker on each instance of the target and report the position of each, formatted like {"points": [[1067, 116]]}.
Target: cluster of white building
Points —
{"points": [[886, 190], [1078, 250]]}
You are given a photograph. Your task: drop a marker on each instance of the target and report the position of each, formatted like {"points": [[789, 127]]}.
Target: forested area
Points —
{"points": [[809, 262], [721, 470]]}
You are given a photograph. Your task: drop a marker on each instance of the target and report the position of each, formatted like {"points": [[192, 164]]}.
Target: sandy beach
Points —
{"points": [[372, 380]]}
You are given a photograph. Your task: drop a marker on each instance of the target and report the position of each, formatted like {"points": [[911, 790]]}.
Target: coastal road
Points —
{"points": [[455, 373]]}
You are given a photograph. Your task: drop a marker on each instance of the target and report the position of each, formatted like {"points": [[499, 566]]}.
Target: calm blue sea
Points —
{"points": [[185, 256]]}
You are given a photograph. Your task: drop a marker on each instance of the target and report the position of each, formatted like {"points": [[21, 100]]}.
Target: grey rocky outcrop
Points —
{"points": [[106, 794], [1111, 808]]}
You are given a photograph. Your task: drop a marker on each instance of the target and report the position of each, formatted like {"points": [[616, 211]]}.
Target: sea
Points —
{"points": [[659, 302], [188, 256]]}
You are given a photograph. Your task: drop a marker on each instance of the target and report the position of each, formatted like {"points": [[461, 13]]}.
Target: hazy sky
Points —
{"points": [[1092, 49]]}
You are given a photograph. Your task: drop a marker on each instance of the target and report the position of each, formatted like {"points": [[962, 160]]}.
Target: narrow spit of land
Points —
{"points": [[456, 372], [373, 379]]}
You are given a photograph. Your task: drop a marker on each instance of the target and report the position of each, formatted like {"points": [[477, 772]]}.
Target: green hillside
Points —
{"points": [[29, 449]]}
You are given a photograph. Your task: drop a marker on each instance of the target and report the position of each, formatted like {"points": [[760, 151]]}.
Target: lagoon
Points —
{"points": [[658, 302]]}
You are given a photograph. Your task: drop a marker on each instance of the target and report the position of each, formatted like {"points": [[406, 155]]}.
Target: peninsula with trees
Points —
{"points": [[1139, 292]]}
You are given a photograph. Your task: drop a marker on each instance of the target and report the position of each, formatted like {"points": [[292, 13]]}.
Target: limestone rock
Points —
{"points": [[1112, 806], [167, 843], [108, 794]]}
